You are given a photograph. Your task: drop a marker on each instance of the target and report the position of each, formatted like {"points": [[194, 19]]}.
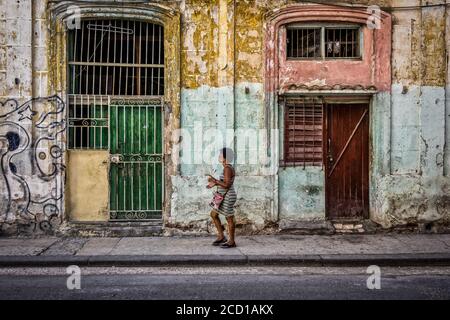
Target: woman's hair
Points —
{"points": [[228, 154]]}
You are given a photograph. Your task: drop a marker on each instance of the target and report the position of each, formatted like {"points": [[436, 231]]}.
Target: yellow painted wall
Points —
{"points": [[88, 185]]}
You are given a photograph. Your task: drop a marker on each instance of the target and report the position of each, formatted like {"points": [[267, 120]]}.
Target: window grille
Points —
{"points": [[88, 122], [326, 42], [304, 42], [303, 130], [342, 42], [109, 58]]}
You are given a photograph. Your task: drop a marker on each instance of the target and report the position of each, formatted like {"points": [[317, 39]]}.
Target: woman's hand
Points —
{"points": [[211, 182]]}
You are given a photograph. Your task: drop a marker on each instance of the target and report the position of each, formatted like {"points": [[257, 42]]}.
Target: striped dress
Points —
{"points": [[226, 208]]}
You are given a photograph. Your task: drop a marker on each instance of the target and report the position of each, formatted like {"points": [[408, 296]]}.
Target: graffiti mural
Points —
{"points": [[32, 163]]}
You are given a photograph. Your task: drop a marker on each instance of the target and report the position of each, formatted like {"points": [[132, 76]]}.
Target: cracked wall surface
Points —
{"points": [[417, 189]]}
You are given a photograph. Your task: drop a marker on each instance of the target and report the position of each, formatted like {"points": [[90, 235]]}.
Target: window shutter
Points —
{"points": [[303, 132]]}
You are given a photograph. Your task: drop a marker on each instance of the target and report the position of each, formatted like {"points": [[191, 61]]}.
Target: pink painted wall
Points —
{"points": [[374, 70]]}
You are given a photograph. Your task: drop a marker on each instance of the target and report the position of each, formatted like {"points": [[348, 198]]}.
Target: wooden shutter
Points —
{"points": [[303, 130]]}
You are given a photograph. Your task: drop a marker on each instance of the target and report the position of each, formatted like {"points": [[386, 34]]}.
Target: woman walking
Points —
{"points": [[224, 200]]}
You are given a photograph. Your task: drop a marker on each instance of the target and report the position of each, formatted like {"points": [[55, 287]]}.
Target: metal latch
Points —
{"points": [[114, 158]]}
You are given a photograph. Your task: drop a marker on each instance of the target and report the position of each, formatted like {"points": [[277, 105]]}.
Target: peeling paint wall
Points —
{"points": [[447, 95], [302, 194], [222, 77], [31, 124], [217, 78], [33, 105], [417, 189], [406, 116]]}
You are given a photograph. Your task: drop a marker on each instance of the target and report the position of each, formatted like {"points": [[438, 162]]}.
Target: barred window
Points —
{"points": [[323, 42], [116, 57], [303, 42], [303, 130], [109, 58], [342, 43]]}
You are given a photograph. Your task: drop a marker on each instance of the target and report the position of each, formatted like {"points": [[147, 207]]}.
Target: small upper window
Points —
{"points": [[323, 42], [304, 42], [342, 43]]}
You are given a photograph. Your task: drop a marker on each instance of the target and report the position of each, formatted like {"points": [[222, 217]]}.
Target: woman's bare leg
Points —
{"points": [[218, 224], [231, 229]]}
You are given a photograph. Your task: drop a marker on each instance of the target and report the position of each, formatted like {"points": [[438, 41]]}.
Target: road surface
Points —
{"points": [[234, 283]]}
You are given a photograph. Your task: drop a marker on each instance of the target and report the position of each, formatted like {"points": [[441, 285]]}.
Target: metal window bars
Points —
{"points": [[110, 58], [323, 42], [342, 42], [303, 131], [88, 122], [303, 42]]}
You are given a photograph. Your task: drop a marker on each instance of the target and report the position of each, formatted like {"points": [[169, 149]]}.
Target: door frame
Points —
{"points": [[163, 14], [137, 100], [363, 99]]}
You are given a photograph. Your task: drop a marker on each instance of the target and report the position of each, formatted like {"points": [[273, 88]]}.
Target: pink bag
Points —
{"points": [[217, 199]]}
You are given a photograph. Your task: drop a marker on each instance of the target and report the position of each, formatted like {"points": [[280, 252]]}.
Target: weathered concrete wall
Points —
{"points": [[302, 194], [31, 123], [407, 174], [33, 103], [417, 190], [222, 84], [222, 88], [447, 97]]}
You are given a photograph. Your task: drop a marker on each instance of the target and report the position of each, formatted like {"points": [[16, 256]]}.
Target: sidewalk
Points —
{"points": [[339, 250]]}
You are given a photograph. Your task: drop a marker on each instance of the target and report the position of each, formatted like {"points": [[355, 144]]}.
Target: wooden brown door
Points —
{"points": [[347, 161]]}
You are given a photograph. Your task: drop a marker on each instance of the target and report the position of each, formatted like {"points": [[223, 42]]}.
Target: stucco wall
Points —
{"points": [[302, 194], [408, 122], [31, 126], [222, 84], [417, 189]]}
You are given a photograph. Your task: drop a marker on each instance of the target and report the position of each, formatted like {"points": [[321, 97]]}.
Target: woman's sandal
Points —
{"points": [[226, 245], [219, 242]]}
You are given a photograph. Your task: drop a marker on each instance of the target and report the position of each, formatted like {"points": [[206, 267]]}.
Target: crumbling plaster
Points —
{"points": [[216, 74]]}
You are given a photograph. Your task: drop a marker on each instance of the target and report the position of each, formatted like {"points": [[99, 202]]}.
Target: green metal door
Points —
{"points": [[136, 160]]}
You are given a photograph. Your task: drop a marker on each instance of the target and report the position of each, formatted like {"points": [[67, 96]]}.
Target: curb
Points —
{"points": [[349, 260]]}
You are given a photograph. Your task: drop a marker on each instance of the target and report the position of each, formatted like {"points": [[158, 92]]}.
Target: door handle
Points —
{"points": [[330, 154]]}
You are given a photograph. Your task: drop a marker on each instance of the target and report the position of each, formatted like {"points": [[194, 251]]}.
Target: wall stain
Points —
{"points": [[22, 202]]}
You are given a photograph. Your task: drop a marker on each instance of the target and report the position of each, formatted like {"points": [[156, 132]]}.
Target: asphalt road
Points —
{"points": [[225, 283]]}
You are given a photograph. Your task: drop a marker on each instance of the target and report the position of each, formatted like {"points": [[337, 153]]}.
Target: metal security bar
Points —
{"points": [[136, 172], [323, 42], [88, 122], [116, 57], [303, 131], [110, 58], [342, 42]]}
